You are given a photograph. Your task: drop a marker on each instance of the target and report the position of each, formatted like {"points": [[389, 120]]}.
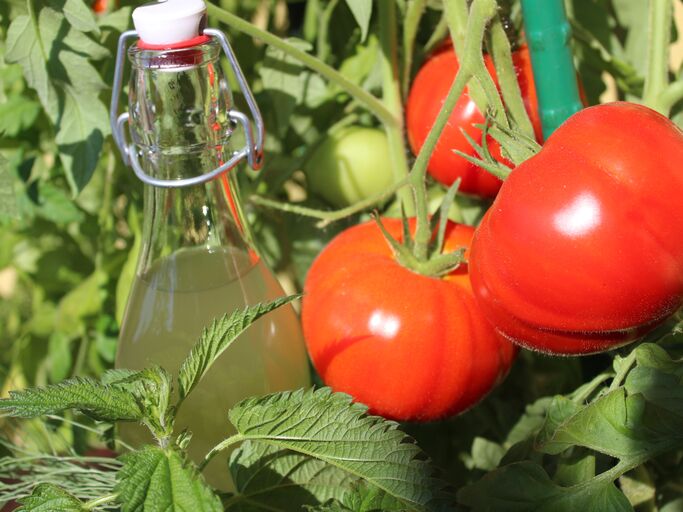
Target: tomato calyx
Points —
{"points": [[437, 263]]}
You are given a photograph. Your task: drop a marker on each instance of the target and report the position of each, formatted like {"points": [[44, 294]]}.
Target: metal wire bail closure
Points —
{"points": [[252, 150]]}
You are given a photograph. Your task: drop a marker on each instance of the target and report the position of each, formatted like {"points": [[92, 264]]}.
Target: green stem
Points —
{"points": [[223, 445], [411, 23], [323, 45], [368, 100], [480, 14], [670, 96], [92, 504], [626, 366], [391, 97], [507, 78], [656, 81], [329, 216]]}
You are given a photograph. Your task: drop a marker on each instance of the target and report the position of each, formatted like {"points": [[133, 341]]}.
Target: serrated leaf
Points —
{"points": [[50, 498], [270, 478], [99, 401], [156, 480], [216, 338], [362, 12], [17, 114], [118, 20], [657, 377], [330, 428], [525, 486]]}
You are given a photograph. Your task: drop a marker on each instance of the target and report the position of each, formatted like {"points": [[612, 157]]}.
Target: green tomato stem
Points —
{"points": [[330, 216], [471, 62], [670, 96], [391, 97], [659, 30], [414, 11], [628, 363], [362, 96], [507, 78], [323, 46]]}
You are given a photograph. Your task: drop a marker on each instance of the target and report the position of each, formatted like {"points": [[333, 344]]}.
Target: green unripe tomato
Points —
{"points": [[350, 165]]}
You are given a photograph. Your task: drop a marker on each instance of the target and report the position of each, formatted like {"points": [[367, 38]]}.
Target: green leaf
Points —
{"points": [[118, 20], [59, 356], [17, 114], [657, 377], [156, 480], [624, 427], [8, 200], [50, 498], [99, 401], [216, 338], [281, 75], [362, 12], [329, 427], [86, 299], [486, 454], [127, 274], [525, 486], [267, 477], [83, 127], [56, 206], [79, 15]]}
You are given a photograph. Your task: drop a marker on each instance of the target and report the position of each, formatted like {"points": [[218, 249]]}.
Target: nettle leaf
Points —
{"points": [[55, 56], [526, 486], [50, 498], [99, 401], [156, 480], [218, 337], [362, 12], [329, 427], [267, 477]]}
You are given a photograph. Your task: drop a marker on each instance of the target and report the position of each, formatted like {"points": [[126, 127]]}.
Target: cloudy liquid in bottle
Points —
{"points": [[168, 307]]}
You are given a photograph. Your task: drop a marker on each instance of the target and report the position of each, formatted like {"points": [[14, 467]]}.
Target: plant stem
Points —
{"points": [[670, 96], [659, 30], [323, 45], [391, 97], [237, 438], [329, 216], [100, 501], [414, 12], [470, 63], [368, 100], [507, 78], [626, 366]]}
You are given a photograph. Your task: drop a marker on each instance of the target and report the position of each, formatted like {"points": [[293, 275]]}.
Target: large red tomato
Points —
{"points": [[410, 347], [582, 249], [427, 94]]}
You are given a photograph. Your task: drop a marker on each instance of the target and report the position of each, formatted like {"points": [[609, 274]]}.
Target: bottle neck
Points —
{"points": [[179, 104]]}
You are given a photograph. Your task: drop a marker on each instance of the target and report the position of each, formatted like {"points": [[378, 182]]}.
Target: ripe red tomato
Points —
{"points": [[410, 347], [427, 94], [582, 250]]}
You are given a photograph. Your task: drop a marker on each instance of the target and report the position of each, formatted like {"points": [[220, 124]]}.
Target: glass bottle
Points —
{"points": [[197, 261]]}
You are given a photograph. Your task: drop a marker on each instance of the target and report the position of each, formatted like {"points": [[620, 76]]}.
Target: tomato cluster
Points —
{"points": [[410, 347]]}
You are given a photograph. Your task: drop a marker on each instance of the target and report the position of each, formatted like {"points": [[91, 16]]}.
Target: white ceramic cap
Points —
{"points": [[169, 21]]}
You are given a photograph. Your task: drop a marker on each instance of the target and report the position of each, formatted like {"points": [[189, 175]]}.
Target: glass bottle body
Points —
{"points": [[196, 261]]}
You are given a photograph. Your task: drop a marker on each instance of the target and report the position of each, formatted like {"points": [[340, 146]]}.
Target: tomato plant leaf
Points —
{"points": [[526, 486], [362, 12], [118, 20], [216, 338], [329, 427], [50, 498], [79, 15], [17, 114], [268, 477], [156, 480], [99, 401]]}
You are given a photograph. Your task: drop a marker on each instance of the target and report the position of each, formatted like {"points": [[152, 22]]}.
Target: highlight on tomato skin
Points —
{"points": [[582, 250], [410, 347], [427, 94]]}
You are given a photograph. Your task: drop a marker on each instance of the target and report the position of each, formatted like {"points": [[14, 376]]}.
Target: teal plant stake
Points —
{"points": [[548, 33]]}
